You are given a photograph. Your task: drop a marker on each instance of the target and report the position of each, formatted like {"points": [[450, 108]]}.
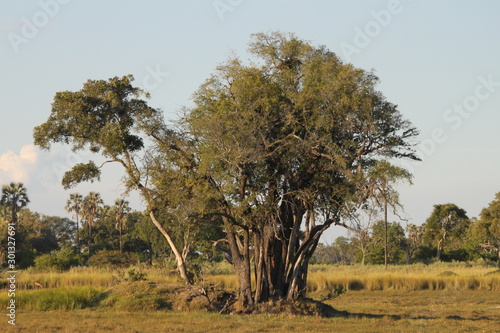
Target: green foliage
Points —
{"points": [[133, 275], [14, 197], [445, 228], [101, 117], [81, 172], [486, 231], [341, 251], [60, 260], [448, 273], [380, 189], [288, 136], [396, 244], [112, 259], [38, 234], [267, 145]]}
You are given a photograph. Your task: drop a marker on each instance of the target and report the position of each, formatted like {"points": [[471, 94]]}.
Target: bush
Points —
{"points": [[112, 259], [60, 260], [447, 273]]}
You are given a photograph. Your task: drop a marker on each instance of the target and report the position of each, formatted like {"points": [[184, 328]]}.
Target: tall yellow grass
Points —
{"points": [[412, 277], [84, 276], [322, 278], [75, 277]]}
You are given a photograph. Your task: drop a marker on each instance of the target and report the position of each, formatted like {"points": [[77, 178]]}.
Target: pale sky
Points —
{"points": [[437, 60]]}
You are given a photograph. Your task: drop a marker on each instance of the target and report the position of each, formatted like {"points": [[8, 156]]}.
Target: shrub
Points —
{"points": [[112, 259], [448, 273], [60, 260]]}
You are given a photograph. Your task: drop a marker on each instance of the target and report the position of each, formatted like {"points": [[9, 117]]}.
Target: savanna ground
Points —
{"points": [[416, 298]]}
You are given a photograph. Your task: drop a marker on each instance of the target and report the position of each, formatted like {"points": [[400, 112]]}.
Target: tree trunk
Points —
{"points": [[262, 278], [297, 277], [408, 254], [280, 260], [90, 239], [386, 245], [181, 264], [439, 249], [120, 230], [78, 240], [240, 253]]}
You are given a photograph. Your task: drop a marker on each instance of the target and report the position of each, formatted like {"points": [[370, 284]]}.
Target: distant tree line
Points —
{"points": [[447, 235], [104, 232], [96, 234]]}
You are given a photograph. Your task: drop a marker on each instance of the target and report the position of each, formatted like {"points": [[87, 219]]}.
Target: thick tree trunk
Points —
{"points": [[181, 263], [280, 258], [262, 278], [282, 261], [240, 253]]}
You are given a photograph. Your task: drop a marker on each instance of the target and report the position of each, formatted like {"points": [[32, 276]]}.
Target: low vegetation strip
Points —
{"points": [[439, 276], [326, 282], [64, 298], [156, 289]]}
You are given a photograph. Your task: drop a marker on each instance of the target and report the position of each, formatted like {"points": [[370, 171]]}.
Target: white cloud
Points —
{"points": [[16, 167]]}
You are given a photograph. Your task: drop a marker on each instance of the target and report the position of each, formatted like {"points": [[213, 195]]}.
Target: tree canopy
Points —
{"points": [[287, 142], [444, 226], [275, 151], [486, 231], [14, 197]]}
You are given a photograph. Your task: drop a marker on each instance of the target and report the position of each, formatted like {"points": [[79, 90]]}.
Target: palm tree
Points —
{"points": [[90, 210], [75, 205], [122, 209], [14, 197]]}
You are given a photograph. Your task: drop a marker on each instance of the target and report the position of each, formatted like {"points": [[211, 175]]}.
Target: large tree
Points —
{"points": [[445, 226], [273, 150], [285, 143], [113, 119]]}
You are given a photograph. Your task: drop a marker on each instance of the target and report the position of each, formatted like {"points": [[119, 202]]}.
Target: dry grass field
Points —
{"points": [[417, 298]]}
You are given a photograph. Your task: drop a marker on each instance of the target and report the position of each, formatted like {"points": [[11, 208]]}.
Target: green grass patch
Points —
{"points": [[136, 296], [66, 298]]}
